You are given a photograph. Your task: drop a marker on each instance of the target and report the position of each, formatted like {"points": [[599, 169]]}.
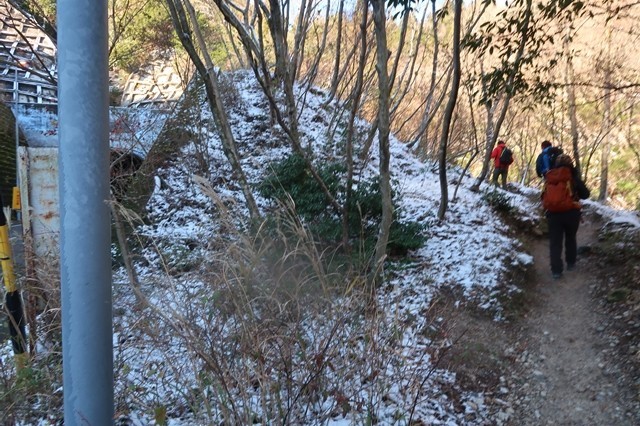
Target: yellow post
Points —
{"points": [[15, 202], [13, 297], [5, 259]]}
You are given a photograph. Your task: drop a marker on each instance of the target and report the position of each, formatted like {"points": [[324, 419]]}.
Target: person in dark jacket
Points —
{"points": [[543, 163], [563, 225], [546, 159], [499, 168]]}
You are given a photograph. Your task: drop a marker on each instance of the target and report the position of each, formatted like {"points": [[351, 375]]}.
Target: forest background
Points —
{"points": [[447, 78], [560, 70]]}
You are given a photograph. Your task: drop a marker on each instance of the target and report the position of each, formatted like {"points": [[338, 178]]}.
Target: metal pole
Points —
{"points": [[16, 94], [85, 259], [15, 204]]}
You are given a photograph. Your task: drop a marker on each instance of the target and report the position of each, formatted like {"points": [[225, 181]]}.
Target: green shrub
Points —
{"points": [[405, 236], [498, 200], [291, 178]]}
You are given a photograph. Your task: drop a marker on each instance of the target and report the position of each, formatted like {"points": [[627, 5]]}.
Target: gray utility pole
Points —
{"points": [[85, 224]]}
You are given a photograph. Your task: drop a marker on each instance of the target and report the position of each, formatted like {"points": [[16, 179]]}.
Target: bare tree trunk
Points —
{"points": [[476, 150], [284, 69], [408, 76], [299, 39], [239, 55], [490, 141], [276, 27], [382, 54], [401, 43], [428, 115], [356, 96], [185, 32], [606, 146], [336, 65], [573, 115], [493, 128], [431, 106], [448, 112], [310, 77]]}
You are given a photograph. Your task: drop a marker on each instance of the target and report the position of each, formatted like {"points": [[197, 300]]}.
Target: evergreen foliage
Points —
{"points": [[498, 200], [290, 179]]}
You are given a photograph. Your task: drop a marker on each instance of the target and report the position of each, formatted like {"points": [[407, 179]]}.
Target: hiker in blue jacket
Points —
{"points": [[543, 162]]}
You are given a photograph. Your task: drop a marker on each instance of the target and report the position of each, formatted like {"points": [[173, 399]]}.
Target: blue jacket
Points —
{"points": [[543, 162]]}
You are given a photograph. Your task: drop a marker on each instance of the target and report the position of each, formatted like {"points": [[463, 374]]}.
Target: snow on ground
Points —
{"points": [[623, 218], [471, 251], [130, 129]]}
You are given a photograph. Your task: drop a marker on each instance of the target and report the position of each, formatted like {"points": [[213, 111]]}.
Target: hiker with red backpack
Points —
{"points": [[502, 159], [562, 191]]}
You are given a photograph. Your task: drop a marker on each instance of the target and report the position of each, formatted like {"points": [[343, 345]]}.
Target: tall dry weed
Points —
{"points": [[262, 332]]}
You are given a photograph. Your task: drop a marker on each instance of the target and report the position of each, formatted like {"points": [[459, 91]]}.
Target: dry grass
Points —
{"points": [[261, 332], [257, 330]]}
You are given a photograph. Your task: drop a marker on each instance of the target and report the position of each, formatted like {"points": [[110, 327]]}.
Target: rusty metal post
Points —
{"points": [[85, 224]]}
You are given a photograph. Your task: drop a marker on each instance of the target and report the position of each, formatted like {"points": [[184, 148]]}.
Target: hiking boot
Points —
{"points": [[556, 275], [571, 266]]}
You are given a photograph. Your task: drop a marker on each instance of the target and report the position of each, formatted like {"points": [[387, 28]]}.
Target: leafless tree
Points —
{"points": [[497, 104], [448, 112], [384, 88], [183, 18], [356, 96], [572, 109], [255, 51]]}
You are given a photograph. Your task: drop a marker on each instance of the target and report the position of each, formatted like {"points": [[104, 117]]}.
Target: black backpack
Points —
{"points": [[506, 156], [553, 153]]}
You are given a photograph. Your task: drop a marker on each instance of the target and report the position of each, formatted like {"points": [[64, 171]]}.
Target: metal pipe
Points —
{"points": [[85, 260], [16, 101]]}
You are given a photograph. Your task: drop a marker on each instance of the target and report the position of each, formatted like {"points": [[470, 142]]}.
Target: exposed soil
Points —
{"points": [[558, 360], [570, 369]]}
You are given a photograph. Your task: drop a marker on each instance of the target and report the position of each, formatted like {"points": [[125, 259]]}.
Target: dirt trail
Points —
{"points": [[568, 376]]}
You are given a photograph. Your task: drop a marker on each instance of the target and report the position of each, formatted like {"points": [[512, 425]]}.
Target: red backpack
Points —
{"points": [[557, 195]]}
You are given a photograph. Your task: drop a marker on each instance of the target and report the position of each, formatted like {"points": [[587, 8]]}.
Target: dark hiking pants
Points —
{"points": [[563, 226], [503, 177]]}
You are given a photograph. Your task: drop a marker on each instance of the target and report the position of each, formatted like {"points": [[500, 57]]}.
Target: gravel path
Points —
{"points": [[568, 377]]}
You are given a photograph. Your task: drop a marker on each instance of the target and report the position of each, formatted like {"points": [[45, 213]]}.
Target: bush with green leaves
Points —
{"points": [[291, 179], [498, 200]]}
